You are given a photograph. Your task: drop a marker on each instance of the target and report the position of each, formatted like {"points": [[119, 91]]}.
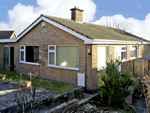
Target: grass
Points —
{"points": [[57, 87]]}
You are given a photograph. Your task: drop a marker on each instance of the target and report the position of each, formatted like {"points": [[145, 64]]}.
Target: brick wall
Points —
{"points": [[92, 75], [77, 15], [91, 67], [144, 50], [53, 36]]}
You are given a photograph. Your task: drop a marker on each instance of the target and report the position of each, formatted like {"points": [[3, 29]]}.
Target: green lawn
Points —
{"points": [[49, 85]]}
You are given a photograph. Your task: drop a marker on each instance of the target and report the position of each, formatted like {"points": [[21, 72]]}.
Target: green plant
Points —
{"points": [[114, 86]]}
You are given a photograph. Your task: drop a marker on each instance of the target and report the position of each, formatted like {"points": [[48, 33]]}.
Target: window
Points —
{"points": [[64, 56], [29, 54], [123, 53], [132, 52]]}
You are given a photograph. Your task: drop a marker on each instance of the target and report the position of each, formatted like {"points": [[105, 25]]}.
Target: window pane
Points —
{"points": [[51, 58], [123, 55], [22, 55], [67, 56], [32, 54], [132, 53], [22, 47], [51, 48], [123, 48]]}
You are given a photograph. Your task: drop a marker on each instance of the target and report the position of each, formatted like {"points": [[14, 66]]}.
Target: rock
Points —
{"points": [[26, 84], [2, 77]]}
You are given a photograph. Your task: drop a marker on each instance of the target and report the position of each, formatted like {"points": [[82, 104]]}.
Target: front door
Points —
{"points": [[9, 58]]}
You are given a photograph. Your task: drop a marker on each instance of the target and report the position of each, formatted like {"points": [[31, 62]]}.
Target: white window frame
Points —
{"points": [[54, 51], [132, 48], [24, 50], [124, 51]]}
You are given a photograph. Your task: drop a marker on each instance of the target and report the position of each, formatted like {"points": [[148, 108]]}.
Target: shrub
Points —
{"points": [[114, 86]]}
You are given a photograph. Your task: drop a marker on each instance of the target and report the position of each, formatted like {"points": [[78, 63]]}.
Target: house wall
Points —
{"points": [[144, 50], [92, 73], [53, 36], [91, 68], [1, 57]]}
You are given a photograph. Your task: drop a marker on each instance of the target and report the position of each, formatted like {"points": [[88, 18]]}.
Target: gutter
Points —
{"points": [[103, 41], [8, 40]]}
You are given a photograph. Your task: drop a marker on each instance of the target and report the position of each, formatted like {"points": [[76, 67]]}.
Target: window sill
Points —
{"points": [[123, 60], [132, 58], [71, 68], [30, 63], [98, 69]]}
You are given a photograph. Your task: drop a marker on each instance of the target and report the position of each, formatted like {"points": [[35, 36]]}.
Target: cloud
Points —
{"points": [[135, 26], [23, 15], [139, 6]]}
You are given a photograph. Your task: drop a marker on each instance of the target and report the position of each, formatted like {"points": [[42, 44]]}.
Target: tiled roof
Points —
{"points": [[6, 34], [94, 31]]}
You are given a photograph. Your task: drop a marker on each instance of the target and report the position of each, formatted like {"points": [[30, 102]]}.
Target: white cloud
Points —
{"points": [[138, 27], [23, 15], [139, 6]]}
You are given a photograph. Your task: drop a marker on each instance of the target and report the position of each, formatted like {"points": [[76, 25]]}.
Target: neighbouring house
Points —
{"points": [[4, 35], [69, 50]]}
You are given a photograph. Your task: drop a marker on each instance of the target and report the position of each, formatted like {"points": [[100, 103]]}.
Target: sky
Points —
{"points": [[132, 14]]}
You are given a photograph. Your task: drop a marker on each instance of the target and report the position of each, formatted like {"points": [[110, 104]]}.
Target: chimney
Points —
{"points": [[76, 14]]}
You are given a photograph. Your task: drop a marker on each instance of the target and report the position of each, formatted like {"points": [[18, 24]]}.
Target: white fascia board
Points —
{"points": [[8, 40], [102, 41]]}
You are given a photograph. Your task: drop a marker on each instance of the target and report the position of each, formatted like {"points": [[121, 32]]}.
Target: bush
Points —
{"points": [[114, 86]]}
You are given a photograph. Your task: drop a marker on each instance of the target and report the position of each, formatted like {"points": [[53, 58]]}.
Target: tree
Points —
{"points": [[114, 86], [118, 25]]}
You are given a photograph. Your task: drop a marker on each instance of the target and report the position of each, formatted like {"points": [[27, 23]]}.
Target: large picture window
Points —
{"points": [[29, 54], [64, 56]]}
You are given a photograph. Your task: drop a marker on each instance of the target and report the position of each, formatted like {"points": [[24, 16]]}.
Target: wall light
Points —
{"points": [[89, 51]]}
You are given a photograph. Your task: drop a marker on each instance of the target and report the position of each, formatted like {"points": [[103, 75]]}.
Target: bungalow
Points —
{"points": [[68, 50]]}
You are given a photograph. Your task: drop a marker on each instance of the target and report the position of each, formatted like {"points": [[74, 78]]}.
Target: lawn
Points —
{"points": [[57, 87]]}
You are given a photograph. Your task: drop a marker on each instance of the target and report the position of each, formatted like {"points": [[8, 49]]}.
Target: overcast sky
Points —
{"points": [[18, 14]]}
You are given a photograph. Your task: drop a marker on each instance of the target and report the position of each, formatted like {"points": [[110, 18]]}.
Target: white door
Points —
{"points": [[118, 54], [101, 57]]}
